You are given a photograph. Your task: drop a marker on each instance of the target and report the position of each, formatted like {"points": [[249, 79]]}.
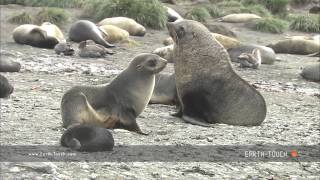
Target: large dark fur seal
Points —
{"points": [[209, 91]]}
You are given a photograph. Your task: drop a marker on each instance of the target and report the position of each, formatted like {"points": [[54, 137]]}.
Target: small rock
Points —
{"points": [[209, 139], [124, 166]]}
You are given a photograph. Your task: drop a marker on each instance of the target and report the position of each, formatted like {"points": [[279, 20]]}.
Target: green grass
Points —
{"points": [[47, 3], [232, 3], [305, 23], [214, 11], [54, 15], [300, 2], [149, 13], [23, 18], [277, 6], [257, 9], [198, 14], [270, 25]]}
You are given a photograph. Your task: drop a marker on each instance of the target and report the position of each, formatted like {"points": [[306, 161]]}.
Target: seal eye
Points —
{"points": [[181, 32], [152, 63]]}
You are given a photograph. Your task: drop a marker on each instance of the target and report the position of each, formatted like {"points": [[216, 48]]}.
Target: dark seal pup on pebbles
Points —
{"points": [[209, 91], [88, 138], [5, 87], [115, 105]]}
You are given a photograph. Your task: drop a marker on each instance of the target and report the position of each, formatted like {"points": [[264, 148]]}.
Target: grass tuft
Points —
{"points": [[198, 14], [54, 15], [257, 9], [277, 6], [232, 3], [270, 25], [47, 3], [149, 13], [23, 18], [305, 23], [214, 11]]}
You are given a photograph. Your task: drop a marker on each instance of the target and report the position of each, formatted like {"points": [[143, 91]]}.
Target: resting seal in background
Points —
{"points": [[90, 49], [83, 30], [296, 46], [115, 105], [87, 138], [268, 56], [130, 25], [209, 91], [5, 87], [311, 72], [7, 65], [33, 35]]}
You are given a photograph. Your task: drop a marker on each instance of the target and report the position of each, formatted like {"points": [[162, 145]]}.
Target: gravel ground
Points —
{"points": [[31, 116]]}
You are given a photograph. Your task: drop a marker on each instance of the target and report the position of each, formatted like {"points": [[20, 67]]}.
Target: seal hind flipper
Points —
{"points": [[196, 122], [74, 144]]}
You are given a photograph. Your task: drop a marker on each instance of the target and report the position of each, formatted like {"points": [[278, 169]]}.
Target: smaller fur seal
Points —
{"points": [[296, 46], [87, 138], [164, 91], [130, 25], [90, 49], [250, 60], [83, 30], [5, 87], [53, 31], [311, 72], [117, 104], [115, 34], [64, 48], [33, 35], [268, 56], [8, 65], [239, 18]]}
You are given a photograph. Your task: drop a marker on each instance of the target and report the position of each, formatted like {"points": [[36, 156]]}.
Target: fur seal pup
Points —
{"points": [[5, 87], [8, 65], [90, 49], [83, 30], [115, 105], [53, 31], [64, 48], [311, 72], [164, 91], [250, 60], [268, 56], [87, 138], [296, 46], [130, 25], [115, 34], [209, 91], [33, 35], [239, 18]]}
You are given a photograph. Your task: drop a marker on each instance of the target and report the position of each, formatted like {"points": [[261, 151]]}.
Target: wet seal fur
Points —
{"points": [[33, 35], [8, 65], [83, 30], [209, 91], [5, 87], [164, 91], [87, 138], [115, 105]]}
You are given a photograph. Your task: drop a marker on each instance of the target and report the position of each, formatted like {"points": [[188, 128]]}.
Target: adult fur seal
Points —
{"points": [[130, 25], [268, 56], [8, 65], [33, 35], [296, 46], [83, 30], [117, 104], [87, 138], [173, 15], [5, 87], [311, 72], [209, 91], [164, 91]]}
